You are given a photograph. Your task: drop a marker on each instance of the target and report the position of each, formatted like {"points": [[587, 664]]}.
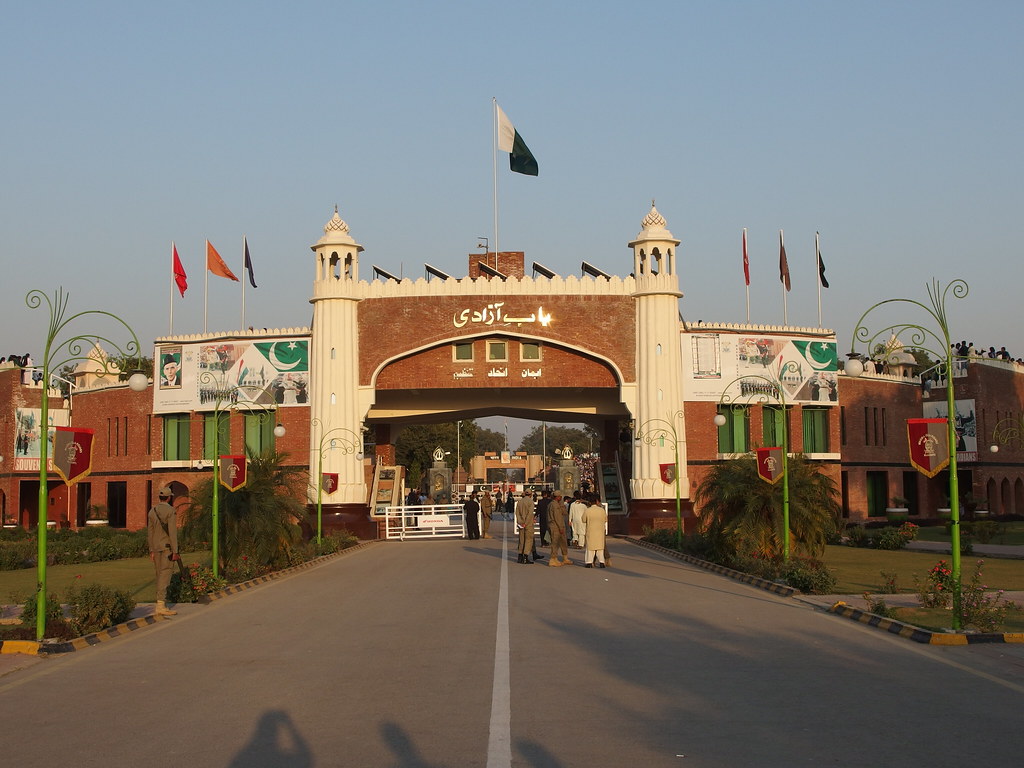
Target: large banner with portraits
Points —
{"points": [[199, 377], [746, 365]]}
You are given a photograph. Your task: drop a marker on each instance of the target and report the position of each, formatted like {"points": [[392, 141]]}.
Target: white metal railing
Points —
{"points": [[431, 521]]}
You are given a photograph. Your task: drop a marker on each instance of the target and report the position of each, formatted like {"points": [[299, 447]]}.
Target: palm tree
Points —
{"points": [[742, 513], [260, 521]]}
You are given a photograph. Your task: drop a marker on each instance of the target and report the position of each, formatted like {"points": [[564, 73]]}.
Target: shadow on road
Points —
{"points": [[276, 742], [401, 745]]}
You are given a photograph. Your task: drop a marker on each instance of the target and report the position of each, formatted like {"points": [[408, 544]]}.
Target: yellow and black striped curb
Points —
{"points": [[35, 648], [746, 578], [923, 635]]}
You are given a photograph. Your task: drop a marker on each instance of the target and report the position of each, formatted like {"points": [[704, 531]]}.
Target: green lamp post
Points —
{"points": [[933, 339], [56, 354], [226, 402], [656, 432], [342, 438], [769, 390]]}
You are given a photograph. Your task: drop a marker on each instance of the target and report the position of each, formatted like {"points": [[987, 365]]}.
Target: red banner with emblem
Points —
{"points": [[72, 453], [929, 445], [769, 464], [668, 473], [329, 482], [232, 472]]}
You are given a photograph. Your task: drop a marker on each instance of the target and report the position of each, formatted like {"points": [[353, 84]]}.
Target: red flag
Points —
{"points": [[783, 263], [180, 278], [232, 472], [329, 481], [746, 261], [769, 464], [215, 264], [72, 453], [929, 445], [668, 473]]}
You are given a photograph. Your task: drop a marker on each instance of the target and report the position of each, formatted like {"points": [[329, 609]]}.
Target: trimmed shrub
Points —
{"points": [[95, 607], [808, 575]]}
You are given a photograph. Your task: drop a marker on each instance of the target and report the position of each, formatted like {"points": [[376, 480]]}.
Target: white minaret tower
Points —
{"points": [[659, 382], [334, 366]]}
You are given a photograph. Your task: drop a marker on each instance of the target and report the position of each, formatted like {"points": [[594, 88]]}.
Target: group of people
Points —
{"points": [[580, 524]]}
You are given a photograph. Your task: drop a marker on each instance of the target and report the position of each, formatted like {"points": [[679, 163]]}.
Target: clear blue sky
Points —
{"points": [[894, 129]]}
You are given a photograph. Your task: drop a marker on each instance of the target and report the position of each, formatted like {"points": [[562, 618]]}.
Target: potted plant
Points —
{"points": [[976, 506], [97, 515], [899, 511]]}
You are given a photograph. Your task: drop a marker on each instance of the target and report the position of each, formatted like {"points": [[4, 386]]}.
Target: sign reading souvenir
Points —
{"points": [[769, 464], [232, 472], [72, 453], [929, 445], [668, 473], [329, 481], [965, 425]]}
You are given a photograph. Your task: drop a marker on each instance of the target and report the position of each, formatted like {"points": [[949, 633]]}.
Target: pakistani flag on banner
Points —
{"points": [[521, 159], [286, 355]]}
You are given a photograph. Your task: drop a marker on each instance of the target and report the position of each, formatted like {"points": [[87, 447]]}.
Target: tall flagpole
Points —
{"points": [[494, 171], [785, 298], [170, 331], [244, 277], [746, 272], [206, 284], [817, 276]]}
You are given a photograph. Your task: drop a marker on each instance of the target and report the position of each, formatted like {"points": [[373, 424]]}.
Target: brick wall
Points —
{"points": [[601, 325]]}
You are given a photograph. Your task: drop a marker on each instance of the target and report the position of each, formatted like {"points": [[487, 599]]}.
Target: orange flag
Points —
{"points": [[215, 264]]}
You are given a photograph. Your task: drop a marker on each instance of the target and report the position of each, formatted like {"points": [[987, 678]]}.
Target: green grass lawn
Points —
{"points": [[1009, 533], [134, 574], [860, 570]]}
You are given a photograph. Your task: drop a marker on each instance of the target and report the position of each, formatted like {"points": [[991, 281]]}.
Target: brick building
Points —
{"points": [[609, 351]]}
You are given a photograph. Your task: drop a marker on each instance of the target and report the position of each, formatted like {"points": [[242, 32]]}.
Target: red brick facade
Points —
{"points": [[603, 325]]}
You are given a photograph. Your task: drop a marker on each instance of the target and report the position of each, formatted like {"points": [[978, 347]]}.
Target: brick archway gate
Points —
{"points": [[599, 349]]}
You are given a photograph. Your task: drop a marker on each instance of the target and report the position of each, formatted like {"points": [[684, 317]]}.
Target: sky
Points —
{"points": [[893, 129]]}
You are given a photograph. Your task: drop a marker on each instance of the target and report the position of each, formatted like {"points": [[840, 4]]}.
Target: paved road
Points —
{"points": [[423, 654]]}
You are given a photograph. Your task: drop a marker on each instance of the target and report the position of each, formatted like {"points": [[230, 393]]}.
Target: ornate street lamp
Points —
{"points": [[655, 432], [767, 389], [348, 442], [225, 403], [56, 355], [921, 336]]}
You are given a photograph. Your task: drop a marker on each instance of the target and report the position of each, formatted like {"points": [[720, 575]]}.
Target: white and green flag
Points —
{"points": [[521, 159]]}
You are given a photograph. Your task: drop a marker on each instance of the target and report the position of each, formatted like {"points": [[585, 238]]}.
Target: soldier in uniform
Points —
{"points": [[524, 523], [557, 524], [486, 508], [162, 530]]}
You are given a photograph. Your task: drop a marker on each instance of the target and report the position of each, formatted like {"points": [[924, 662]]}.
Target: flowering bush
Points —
{"points": [[889, 583], [244, 569], [984, 611], [200, 581], [937, 591]]}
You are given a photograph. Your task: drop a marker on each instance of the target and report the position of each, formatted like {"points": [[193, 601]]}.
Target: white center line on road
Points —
{"points": [[499, 742]]}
